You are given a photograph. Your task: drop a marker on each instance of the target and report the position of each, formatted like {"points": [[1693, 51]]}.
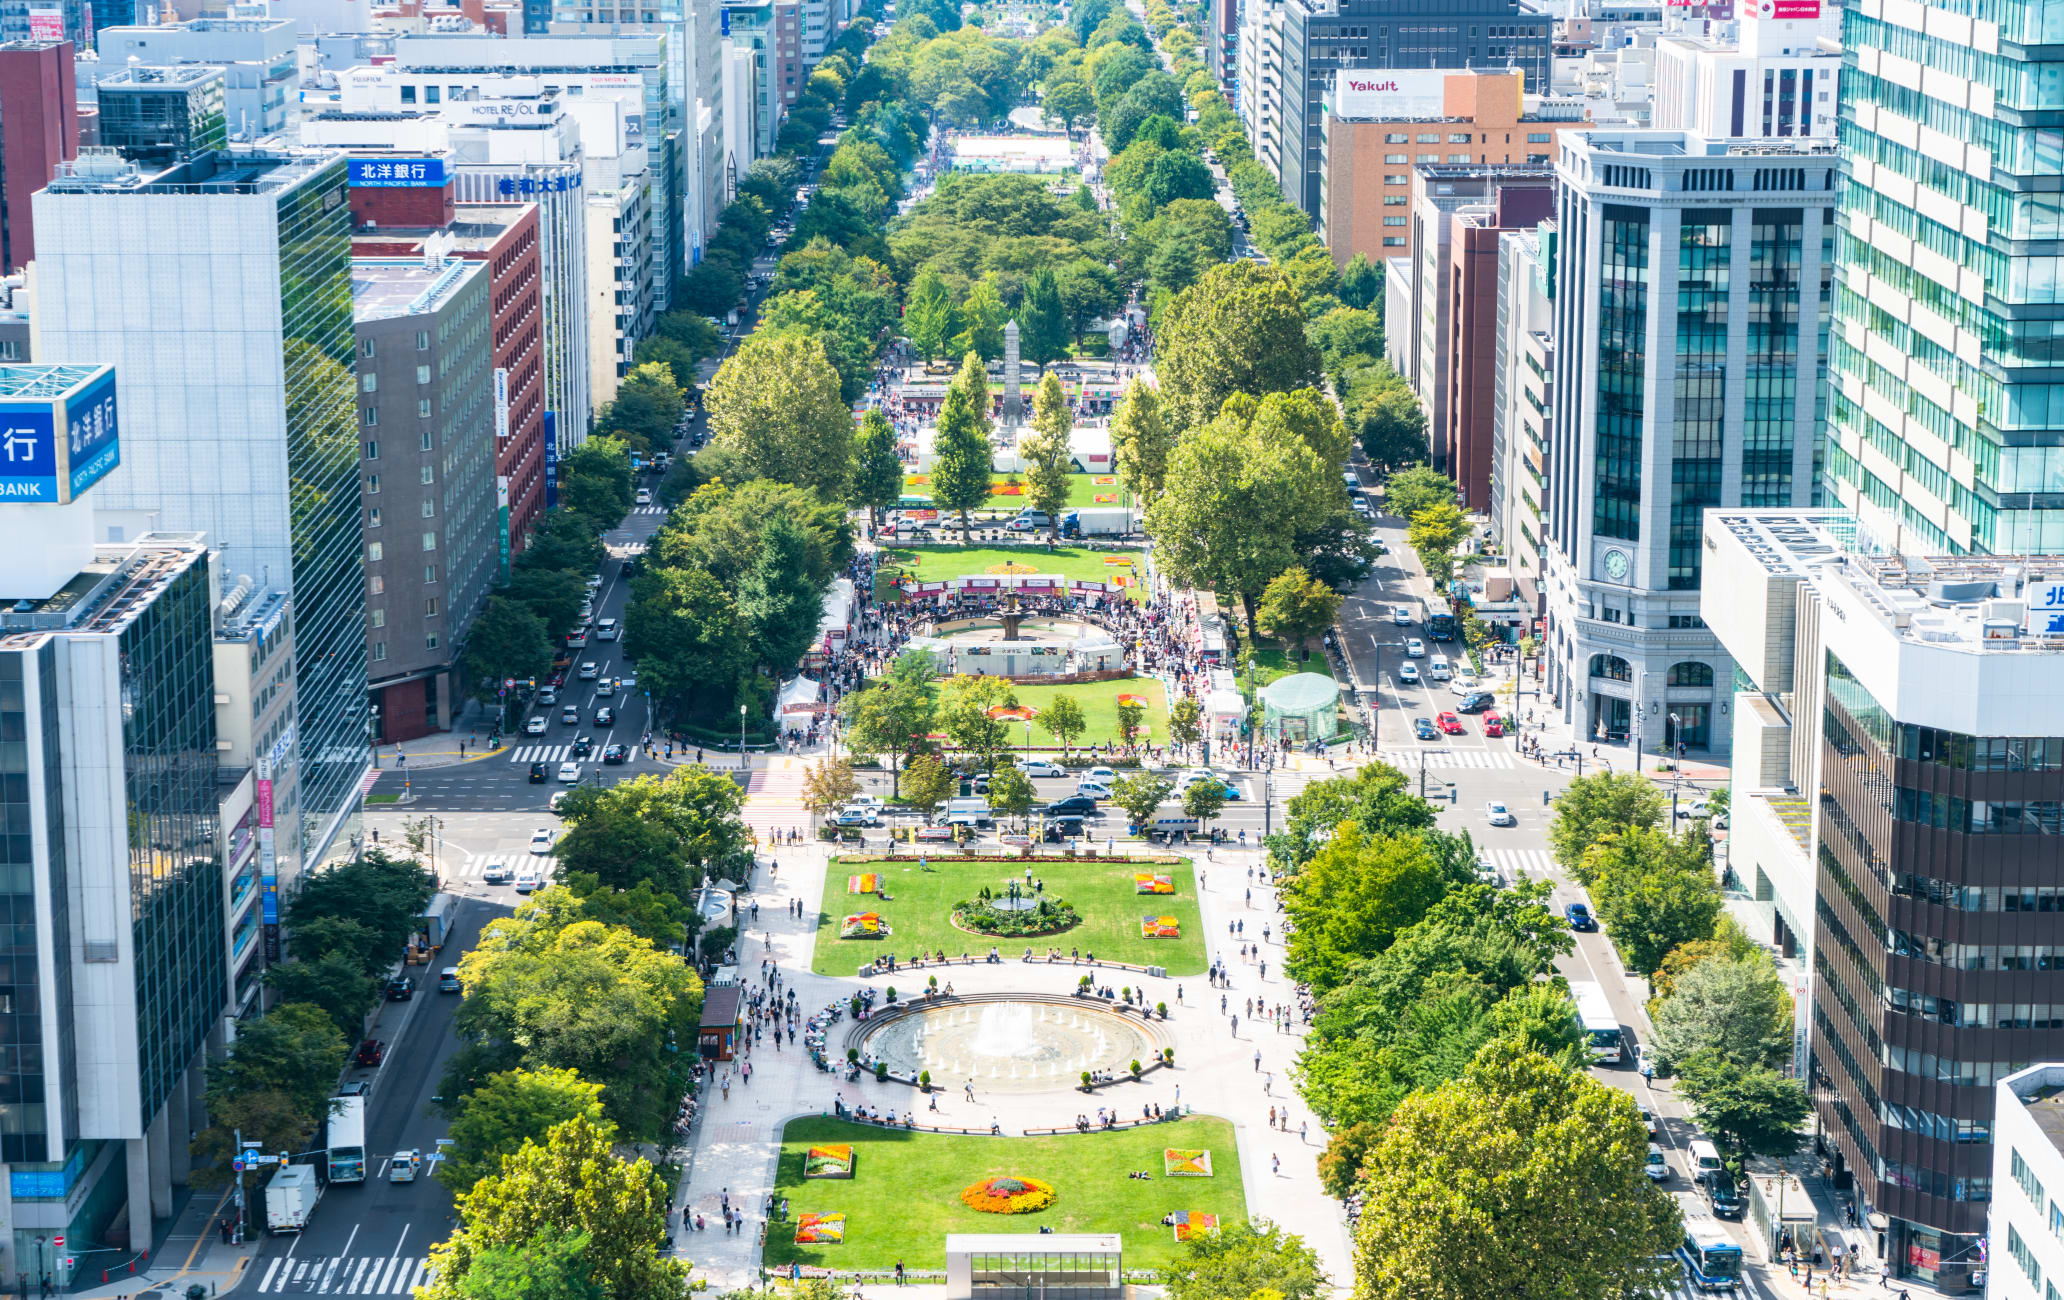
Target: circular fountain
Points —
{"points": [[1015, 1044]]}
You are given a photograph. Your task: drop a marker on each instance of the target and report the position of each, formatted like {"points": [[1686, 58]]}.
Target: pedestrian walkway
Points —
{"points": [[345, 1275], [1407, 759], [774, 797]]}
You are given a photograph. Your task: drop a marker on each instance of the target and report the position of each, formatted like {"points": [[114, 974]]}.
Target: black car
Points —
{"points": [[615, 755], [1424, 729], [1081, 805], [537, 774], [401, 988], [583, 746]]}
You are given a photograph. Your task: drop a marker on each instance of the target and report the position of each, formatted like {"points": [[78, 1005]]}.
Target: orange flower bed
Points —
{"points": [[1007, 1194]]}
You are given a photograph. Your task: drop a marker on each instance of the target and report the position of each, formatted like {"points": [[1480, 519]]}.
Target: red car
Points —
{"points": [[1493, 725], [1450, 725]]}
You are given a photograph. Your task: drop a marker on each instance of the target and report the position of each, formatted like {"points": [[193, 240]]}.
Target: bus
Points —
{"points": [[1712, 1262], [347, 1140], [1601, 1026]]}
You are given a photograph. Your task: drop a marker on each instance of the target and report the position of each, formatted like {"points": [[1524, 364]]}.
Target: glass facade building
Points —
{"points": [[1946, 419]]}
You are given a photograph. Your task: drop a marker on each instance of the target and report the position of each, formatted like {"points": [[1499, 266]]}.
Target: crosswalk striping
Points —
{"points": [[1534, 862], [1411, 758], [346, 1275]]}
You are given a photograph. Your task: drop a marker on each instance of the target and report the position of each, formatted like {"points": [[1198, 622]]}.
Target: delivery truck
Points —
{"points": [[290, 1198]]}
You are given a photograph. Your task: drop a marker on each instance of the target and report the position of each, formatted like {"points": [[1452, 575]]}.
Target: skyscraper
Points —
{"points": [[1944, 434], [235, 346]]}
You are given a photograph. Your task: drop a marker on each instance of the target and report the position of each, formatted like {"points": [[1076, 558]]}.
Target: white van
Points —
{"points": [[1437, 669], [1705, 1157]]}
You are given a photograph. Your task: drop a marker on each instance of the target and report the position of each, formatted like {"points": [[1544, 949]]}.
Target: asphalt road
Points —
{"points": [[373, 1239]]}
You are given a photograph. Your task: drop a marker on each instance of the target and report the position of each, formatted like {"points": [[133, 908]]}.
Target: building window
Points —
{"points": [[429, 541], [373, 552]]}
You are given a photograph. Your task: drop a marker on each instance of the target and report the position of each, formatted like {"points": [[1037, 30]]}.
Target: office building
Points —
{"points": [[1941, 433], [39, 129], [156, 116], [1914, 698], [1777, 81], [772, 31], [1381, 126], [427, 465], [1522, 406], [1691, 290], [1325, 37], [258, 57], [505, 239], [238, 397], [2025, 1253]]}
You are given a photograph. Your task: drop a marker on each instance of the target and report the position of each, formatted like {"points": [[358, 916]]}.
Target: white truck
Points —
{"points": [[290, 1198]]}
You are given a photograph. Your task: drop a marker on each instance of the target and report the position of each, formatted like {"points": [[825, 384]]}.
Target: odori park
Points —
{"points": [[1028, 1109]]}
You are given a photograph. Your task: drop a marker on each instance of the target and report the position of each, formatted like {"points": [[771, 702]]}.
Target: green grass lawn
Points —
{"points": [[1099, 701], [904, 1195], [921, 901]]}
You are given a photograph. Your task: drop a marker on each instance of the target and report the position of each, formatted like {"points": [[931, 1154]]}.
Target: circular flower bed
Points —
{"points": [[1005, 1194]]}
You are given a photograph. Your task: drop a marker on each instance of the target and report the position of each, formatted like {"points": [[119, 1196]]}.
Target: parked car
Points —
{"points": [[535, 727], [1423, 728], [1579, 918], [537, 773], [1450, 725], [1499, 815], [615, 755], [401, 988]]}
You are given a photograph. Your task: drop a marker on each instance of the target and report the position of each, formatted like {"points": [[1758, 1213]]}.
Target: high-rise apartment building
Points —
{"points": [[1941, 433], [39, 129], [237, 360], [1910, 698], [1689, 306], [155, 116], [1324, 37]]}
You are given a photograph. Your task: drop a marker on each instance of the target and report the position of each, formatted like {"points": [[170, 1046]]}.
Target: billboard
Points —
{"points": [[46, 24], [54, 448], [397, 173], [1379, 93]]}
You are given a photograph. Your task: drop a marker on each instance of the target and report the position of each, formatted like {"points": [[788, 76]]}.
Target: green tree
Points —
{"points": [[1048, 461], [1295, 608], [1042, 321], [781, 606], [929, 317], [1245, 1259], [962, 459], [1410, 491], [1654, 891], [1352, 898], [1592, 807], [571, 1182], [1063, 720], [508, 1110], [1747, 1110], [927, 783], [1141, 441], [1139, 794], [274, 1086], [877, 471], [552, 1265], [1239, 329], [1520, 1179], [337, 982], [776, 405], [895, 715], [1011, 793], [506, 642], [1738, 1009]]}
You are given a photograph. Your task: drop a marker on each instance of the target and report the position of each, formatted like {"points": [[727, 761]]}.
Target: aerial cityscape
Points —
{"points": [[1003, 650]]}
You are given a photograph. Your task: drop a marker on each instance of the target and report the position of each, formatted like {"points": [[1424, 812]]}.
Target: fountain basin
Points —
{"points": [[1011, 1043]]}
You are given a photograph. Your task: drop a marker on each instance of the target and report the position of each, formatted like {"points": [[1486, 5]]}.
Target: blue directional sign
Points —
{"points": [[58, 431]]}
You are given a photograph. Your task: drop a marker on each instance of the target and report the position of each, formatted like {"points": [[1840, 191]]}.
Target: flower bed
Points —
{"points": [[1146, 882], [1183, 1162], [829, 1162], [867, 882], [1190, 1224], [1008, 1195], [866, 925], [1160, 927], [820, 1229]]}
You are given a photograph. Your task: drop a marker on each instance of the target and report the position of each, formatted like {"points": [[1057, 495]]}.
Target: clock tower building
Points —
{"points": [[1690, 289]]}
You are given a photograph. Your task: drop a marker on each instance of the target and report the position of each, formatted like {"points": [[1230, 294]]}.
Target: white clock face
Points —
{"points": [[1616, 564]]}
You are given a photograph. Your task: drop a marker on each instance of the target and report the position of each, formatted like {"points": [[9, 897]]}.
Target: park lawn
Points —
{"points": [[920, 903], [1099, 701], [904, 1195]]}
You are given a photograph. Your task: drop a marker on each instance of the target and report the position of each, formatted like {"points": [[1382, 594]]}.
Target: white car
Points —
{"points": [[1408, 674], [1040, 767], [569, 772], [1401, 615], [1499, 814], [644, 497], [1414, 649], [535, 727], [1094, 789], [590, 670], [541, 840]]}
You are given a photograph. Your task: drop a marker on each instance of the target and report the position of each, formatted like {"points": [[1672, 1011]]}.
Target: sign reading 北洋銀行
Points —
{"points": [[54, 447]]}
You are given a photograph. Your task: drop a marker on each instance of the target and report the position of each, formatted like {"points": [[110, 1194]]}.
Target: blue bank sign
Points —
{"points": [[54, 448], [397, 173]]}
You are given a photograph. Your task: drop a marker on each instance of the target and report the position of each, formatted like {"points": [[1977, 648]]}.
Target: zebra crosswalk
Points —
{"points": [[1511, 862], [346, 1275], [541, 753], [1408, 759]]}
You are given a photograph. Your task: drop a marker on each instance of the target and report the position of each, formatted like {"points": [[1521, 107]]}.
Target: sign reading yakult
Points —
{"points": [[1379, 93]]}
